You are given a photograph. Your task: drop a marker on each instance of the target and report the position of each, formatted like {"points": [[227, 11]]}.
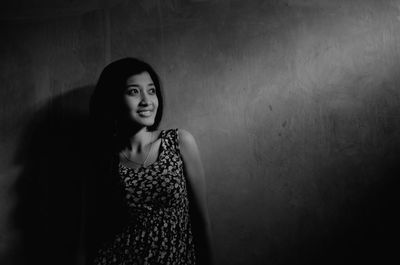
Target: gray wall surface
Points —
{"points": [[294, 105]]}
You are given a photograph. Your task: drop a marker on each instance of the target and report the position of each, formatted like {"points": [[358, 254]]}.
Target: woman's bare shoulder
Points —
{"points": [[186, 139]]}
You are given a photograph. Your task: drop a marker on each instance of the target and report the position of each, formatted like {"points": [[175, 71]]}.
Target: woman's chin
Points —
{"points": [[144, 122]]}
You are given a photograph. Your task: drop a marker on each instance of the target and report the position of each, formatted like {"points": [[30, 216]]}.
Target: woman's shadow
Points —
{"points": [[50, 191]]}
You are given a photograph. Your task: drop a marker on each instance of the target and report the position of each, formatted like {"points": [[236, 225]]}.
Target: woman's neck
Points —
{"points": [[138, 140]]}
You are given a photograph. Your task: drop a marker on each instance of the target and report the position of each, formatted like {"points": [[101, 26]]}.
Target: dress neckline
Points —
{"points": [[160, 153]]}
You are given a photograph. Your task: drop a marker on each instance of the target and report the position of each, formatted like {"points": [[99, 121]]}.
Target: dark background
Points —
{"points": [[294, 105]]}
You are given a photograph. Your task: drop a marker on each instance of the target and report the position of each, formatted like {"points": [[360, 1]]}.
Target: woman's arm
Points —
{"points": [[194, 173]]}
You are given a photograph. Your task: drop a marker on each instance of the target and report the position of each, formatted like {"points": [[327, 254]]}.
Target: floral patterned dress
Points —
{"points": [[159, 229]]}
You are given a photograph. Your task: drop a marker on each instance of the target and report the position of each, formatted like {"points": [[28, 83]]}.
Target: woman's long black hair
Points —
{"points": [[106, 207]]}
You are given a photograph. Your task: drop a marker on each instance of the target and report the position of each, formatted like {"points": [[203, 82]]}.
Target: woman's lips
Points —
{"points": [[145, 113]]}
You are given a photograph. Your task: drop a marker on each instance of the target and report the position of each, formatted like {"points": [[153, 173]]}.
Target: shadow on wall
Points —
{"points": [[49, 191], [66, 203]]}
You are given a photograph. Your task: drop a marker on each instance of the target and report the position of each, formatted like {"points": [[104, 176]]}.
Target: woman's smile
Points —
{"points": [[145, 113]]}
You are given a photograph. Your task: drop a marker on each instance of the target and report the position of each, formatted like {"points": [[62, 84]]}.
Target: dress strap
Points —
{"points": [[171, 138]]}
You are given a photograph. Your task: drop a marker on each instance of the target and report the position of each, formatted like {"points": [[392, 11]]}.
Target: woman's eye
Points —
{"points": [[152, 91], [133, 91]]}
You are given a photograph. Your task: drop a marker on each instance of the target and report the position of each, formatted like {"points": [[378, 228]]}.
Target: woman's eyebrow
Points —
{"points": [[136, 85]]}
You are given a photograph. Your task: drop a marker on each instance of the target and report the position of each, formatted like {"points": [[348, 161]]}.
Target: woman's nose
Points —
{"points": [[144, 100]]}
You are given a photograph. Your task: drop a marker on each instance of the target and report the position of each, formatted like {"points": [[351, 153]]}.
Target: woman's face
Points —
{"points": [[140, 99]]}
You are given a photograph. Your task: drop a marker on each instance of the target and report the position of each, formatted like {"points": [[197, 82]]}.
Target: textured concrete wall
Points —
{"points": [[294, 104]]}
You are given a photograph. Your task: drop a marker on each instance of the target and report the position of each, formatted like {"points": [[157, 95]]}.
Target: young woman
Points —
{"points": [[151, 202]]}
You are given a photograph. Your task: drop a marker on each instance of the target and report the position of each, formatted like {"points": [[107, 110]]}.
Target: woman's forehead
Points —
{"points": [[141, 78]]}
